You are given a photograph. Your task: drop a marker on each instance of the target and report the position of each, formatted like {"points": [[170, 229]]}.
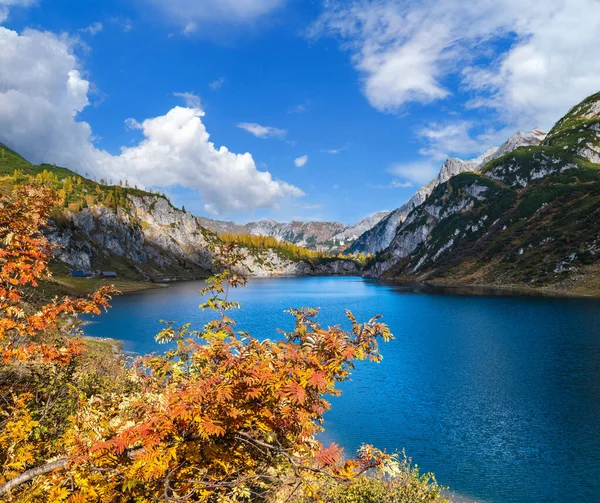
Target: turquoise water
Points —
{"points": [[499, 396]]}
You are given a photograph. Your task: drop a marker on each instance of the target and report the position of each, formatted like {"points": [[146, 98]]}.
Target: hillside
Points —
{"points": [[528, 218], [379, 236], [140, 234]]}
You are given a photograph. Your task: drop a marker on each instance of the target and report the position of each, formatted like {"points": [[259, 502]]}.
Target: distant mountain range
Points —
{"points": [[321, 236]]}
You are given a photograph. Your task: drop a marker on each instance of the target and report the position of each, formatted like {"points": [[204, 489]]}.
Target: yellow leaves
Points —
{"points": [[58, 494], [17, 450]]}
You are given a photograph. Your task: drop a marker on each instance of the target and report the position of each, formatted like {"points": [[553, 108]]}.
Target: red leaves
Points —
{"points": [[295, 392], [329, 456], [319, 380], [220, 412]]}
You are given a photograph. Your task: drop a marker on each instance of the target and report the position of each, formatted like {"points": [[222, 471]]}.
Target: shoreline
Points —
{"points": [[83, 286], [478, 289]]}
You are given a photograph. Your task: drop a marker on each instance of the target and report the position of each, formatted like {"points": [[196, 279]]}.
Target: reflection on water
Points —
{"points": [[499, 396]]}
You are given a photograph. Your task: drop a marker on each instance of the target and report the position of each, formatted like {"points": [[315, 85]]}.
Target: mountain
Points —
{"points": [[380, 235], [353, 232], [140, 234], [528, 217], [322, 236]]}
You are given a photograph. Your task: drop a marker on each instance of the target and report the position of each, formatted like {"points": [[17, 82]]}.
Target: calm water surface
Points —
{"points": [[499, 396]]}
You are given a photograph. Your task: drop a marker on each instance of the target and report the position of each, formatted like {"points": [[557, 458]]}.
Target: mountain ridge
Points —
{"points": [[381, 234], [315, 235], [527, 218]]}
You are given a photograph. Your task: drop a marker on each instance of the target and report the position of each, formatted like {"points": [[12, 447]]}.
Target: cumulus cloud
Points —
{"points": [[409, 51], [5, 6], [414, 172], [191, 14], [300, 162], [262, 131], [41, 93]]}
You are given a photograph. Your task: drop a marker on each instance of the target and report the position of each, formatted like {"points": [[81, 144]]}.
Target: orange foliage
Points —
{"points": [[220, 416], [24, 259]]}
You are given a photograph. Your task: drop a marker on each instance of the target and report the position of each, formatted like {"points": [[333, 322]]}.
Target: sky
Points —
{"points": [[288, 109]]}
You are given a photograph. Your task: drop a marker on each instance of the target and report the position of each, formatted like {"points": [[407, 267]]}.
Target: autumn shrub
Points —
{"points": [[402, 483], [217, 417]]}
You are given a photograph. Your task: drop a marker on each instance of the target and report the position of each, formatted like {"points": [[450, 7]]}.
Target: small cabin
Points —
{"points": [[78, 273], [108, 274]]}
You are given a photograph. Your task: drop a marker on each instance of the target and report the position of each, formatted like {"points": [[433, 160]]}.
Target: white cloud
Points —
{"points": [[301, 161], [395, 184], [300, 108], [311, 206], [453, 138], [5, 6], [132, 124], [407, 52], [210, 209], [41, 93], [414, 172], [192, 13], [93, 29], [191, 100], [190, 27], [335, 151], [217, 83], [262, 131]]}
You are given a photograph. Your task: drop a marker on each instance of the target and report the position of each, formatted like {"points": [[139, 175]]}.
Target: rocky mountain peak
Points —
{"points": [[578, 132], [380, 236], [519, 139]]}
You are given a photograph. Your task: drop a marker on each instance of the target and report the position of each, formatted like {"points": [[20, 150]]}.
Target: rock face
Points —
{"points": [[353, 232], [380, 236], [313, 235], [526, 216], [151, 238], [321, 236]]}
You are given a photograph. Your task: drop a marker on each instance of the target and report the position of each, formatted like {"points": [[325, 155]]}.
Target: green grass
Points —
{"points": [[83, 286]]}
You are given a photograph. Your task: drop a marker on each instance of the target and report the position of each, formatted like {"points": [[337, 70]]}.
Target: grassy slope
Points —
{"points": [[545, 235]]}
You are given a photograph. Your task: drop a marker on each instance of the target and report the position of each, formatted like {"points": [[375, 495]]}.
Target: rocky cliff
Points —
{"points": [[151, 238], [140, 235], [528, 217]]}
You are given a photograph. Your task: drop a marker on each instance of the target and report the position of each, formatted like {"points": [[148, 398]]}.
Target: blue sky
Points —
{"points": [[371, 95]]}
